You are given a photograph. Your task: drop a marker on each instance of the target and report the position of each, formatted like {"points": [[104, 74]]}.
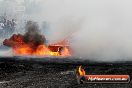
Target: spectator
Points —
{"points": [[1, 25]]}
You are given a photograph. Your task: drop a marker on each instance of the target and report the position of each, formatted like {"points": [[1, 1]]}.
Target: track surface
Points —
{"points": [[28, 74]]}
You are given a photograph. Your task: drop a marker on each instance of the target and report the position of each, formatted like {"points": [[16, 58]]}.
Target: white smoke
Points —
{"points": [[101, 28]]}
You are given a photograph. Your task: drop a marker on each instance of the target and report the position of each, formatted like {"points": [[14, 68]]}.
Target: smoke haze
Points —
{"points": [[100, 29]]}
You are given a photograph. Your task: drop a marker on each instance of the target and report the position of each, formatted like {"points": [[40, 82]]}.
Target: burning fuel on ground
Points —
{"points": [[33, 43]]}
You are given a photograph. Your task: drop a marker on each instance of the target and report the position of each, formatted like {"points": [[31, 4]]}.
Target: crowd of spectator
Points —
{"points": [[7, 25]]}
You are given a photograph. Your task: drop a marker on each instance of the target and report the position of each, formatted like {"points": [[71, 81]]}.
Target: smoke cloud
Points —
{"points": [[99, 29], [33, 35]]}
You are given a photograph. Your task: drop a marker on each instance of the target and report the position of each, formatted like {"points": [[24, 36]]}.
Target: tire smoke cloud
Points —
{"points": [[100, 29]]}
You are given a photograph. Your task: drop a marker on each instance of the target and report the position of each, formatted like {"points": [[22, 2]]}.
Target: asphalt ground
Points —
{"points": [[26, 72]]}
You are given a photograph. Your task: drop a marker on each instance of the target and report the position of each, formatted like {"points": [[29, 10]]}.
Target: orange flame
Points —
{"points": [[65, 52], [41, 50], [81, 71], [21, 48]]}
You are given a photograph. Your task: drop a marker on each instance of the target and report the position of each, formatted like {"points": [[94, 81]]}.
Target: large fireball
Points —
{"points": [[33, 43]]}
